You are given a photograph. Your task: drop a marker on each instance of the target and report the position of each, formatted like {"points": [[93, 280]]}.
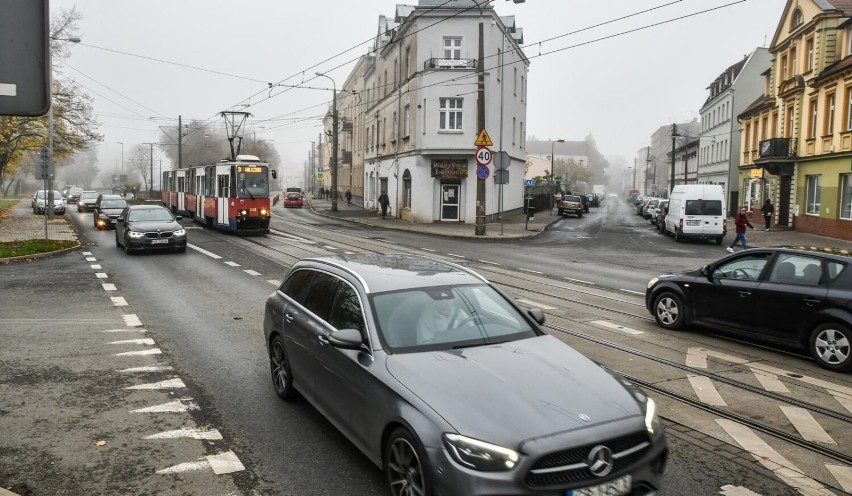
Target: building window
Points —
{"points": [[812, 194], [829, 114], [452, 48], [810, 52], [846, 196], [387, 83], [450, 114], [408, 62], [514, 122], [793, 62], [499, 64], [789, 129], [765, 127], [783, 68], [522, 134], [406, 123], [395, 128], [384, 130], [813, 113], [515, 82], [406, 189], [849, 108], [522, 88], [798, 18]]}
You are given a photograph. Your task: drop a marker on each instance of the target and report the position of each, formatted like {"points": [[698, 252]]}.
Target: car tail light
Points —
{"points": [[680, 224], [725, 224]]}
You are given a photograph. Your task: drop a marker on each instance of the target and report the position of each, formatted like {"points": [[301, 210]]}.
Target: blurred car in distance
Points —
{"points": [[73, 195], [40, 200], [106, 210], [87, 201], [408, 356], [570, 205], [781, 296], [293, 199], [149, 227]]}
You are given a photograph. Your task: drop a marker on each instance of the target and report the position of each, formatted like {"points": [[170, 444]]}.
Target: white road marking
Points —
{"points": [[87, 253], [232, 264], [91, 259], [109, 287], [131, 320], [126, 330], [154, 351], [617, 327], [252, 272], [150, 368], [579, 280], [696, 358], [808, 427], [167, 384], [349, 252], [535, 304], [427, 249], [730, 490], [96, 266], [530, 271], [101, 275], [223, 463], [846, 401], [118, 301], [273, 282], [772, 460], [187, 432], [770, 382], [205, 252], [706, 391], [454, 255], [843, 475], [329, 247], [631, 291], [175, 406], [489, 262], [145, 341]]}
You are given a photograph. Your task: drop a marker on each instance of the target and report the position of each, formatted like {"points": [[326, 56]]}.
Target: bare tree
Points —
{"points": [[140, 157]]}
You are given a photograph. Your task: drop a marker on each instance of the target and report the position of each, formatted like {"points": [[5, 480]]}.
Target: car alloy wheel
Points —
{"points": [[830, 346], [669, 310], [405, 465], [282, 379]]}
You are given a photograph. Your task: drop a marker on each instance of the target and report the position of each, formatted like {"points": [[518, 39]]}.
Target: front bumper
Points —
{"points": [[145, 244]]}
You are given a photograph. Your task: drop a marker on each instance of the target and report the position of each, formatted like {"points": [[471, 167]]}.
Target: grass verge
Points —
{"points": [[33, 246]]}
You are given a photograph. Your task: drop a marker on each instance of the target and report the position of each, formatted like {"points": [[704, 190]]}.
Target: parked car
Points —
{"points": [[87, 201], [647, 210], [40, 199], [570, 205], [149, 227], [659, 218], [697, 211], [408, 356], [654, 212], [293, 199], [73, 195], [106, 210], [785, 297]]}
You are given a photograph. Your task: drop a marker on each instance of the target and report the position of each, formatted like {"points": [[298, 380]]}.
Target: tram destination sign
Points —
{"points": [[250, 168]]}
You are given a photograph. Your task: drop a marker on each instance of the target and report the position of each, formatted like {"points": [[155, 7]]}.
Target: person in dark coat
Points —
{"points": [[348, 197], [740, 221], [384, 201], [767, 210]]}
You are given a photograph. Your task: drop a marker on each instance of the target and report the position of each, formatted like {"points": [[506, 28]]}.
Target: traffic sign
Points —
{"points": [[483, 156], [529, 182], [482, 172], [483, 139], [501, 161]]}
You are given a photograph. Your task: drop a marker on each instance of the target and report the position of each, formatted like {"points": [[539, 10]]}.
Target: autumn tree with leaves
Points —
{"points": [[74, 127]]}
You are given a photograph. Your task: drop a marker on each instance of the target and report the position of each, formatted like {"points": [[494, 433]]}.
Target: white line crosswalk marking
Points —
{"points": [[807, 426], [706, 391]]}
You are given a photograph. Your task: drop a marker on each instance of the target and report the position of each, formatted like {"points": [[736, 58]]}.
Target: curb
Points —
{"points": [[36, 256]]}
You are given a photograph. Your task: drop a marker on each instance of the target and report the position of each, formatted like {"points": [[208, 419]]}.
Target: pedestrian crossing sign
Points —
{"points": [[483, 139]]}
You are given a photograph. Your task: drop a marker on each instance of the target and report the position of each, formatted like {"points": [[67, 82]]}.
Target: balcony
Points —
{"points": [[778, 148], [450, 64]]}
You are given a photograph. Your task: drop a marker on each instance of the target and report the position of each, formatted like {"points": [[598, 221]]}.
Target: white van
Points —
{"points": [[697, 211]]}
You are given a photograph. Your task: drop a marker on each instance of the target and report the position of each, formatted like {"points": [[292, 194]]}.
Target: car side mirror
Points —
{"points": [[119, 220], [537, 314], [347, 339]]}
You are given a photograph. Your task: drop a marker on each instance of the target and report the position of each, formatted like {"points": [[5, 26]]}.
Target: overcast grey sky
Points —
{"points": [[618, 89]]}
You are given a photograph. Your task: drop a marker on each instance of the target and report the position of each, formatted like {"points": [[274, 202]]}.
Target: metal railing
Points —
{"points": [[777, 147], [435, 63]]}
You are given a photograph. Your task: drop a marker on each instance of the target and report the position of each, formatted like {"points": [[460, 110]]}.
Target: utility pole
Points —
{"points": [[480, 124], [180, 141], [334, 141], [151, 184], [675, 134]]}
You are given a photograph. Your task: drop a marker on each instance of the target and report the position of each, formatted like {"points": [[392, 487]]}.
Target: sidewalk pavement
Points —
{"points": [[23, 225]]}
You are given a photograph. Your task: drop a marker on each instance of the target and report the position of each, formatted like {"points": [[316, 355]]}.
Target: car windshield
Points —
{"points": [[118, 203], [150, 214], [89, 196], [75, 191], [447, 317], [56, 195]]}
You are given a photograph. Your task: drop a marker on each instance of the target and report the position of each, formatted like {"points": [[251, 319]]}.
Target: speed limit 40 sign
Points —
{"points": [[483, 155]]}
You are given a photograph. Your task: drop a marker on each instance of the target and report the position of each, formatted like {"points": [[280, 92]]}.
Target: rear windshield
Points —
{"points": [[703, 207], [572, 198], [119, 203], [293, 196]]}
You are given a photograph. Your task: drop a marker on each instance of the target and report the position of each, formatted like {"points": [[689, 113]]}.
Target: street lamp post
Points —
{"points": [[333, 143], [552, 177], [122, 160]]}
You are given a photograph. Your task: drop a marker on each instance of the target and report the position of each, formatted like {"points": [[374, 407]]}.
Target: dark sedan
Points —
{"points": [[87, 201], [149, 227], [450, 387], [786, 297], [106, 210]]}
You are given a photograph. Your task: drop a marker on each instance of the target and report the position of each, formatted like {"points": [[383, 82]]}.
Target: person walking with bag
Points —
{"points": [[384, 201], [740, 221], [767, 210]]}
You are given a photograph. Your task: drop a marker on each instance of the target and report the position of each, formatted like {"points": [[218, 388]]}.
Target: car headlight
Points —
{"points": [[652, 282], [134, 234], [652, 420], [180, 232], [479, 455], [80, 203]]}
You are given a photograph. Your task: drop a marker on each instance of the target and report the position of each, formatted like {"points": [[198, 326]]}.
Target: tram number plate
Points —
{"points": [[617, 487], [159, 241]]}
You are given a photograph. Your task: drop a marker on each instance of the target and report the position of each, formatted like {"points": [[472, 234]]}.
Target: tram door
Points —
{"points": [[199, 196], [223, 193], [181, 191]]}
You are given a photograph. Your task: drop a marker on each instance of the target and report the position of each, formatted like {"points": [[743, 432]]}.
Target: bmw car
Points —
{"points": [[149, 227], [784, 297], [450, 387]]}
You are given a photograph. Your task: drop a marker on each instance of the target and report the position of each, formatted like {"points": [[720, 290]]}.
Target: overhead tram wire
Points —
{"points": [[476, 74], [110, 89]]}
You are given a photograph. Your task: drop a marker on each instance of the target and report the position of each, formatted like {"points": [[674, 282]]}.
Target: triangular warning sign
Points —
{"points": [[483, 139]]}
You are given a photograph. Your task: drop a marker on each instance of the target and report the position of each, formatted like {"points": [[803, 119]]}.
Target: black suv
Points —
{"points": [[106, 210]]}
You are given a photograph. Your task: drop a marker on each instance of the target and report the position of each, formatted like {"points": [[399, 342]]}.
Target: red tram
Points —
{"points": [[231, 195]]}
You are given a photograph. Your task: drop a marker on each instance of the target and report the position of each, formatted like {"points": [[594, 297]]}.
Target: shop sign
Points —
{"points": [[449, 169]]}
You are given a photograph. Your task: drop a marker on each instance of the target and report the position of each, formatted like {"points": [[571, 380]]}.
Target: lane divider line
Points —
{"points": [[252, 272], [203, 251], [149, 368], [155, 351], [176, 406], [109, 287], [101, 275], [131, 320], [118, 301], [167, 384], [188, 432], [144, 341]]}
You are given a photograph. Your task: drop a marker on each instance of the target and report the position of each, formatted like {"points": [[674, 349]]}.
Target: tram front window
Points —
{"points": [[253, 184]]}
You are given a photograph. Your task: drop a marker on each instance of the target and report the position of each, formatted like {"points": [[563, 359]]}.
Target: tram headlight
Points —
{"points": [[263, 211], [243, 212], [180, 232]]}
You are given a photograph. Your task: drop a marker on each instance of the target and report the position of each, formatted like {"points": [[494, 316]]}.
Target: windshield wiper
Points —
{"points": [[475, 345], [244, 188]]}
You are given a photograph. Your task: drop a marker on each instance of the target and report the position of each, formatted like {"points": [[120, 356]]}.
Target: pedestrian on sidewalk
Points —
{"points": [[384, 201], [767, 210], [740, 221], [321, 192], [348, 197]]}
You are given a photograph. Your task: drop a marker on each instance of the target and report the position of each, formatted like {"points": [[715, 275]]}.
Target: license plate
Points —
{"points": [[616, 487], [693, 223], [159, 241]]}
